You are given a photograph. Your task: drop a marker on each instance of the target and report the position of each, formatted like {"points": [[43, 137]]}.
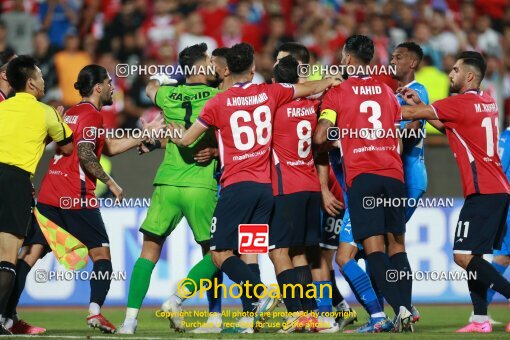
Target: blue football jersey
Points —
{"points": [[415, 173], [504, 151]]}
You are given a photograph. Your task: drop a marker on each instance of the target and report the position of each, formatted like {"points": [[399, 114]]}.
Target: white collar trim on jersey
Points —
{"points": [[411, 83], [361, 77], [243, 85], [474, 92]]}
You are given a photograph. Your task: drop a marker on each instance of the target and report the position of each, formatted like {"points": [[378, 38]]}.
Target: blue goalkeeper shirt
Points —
{"points": [[504, 151], [415, 173]]}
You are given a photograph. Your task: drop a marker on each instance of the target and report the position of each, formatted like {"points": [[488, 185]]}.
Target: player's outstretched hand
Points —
{"points": [[116, 190], [157, 123], [142, 148], [330, 203], [409, 95], [336, 81], [60, 110], [176, 131], [205, 155], [148, 146], [163, 79]]}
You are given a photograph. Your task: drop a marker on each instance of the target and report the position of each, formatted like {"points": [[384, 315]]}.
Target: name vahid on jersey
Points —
{"points": [[366, 90]]}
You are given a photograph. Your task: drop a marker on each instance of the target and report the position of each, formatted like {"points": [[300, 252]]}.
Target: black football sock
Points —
{"points": [[337, 297], [379, 265], [239, 272], [254, 267], [304, 278], [289, 295], [100, 282], [488, 276], [478, 293], [7, 279], [400, 263], [22, 270]]}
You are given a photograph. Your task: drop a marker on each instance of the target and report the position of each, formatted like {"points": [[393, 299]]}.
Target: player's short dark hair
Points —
{"points": [[6, 55], [220, 52], [297, 50], [240, 58], [88, 77], [474, 59], [361, 47], [412, 47], [191, 55], [286, 71], [19, 70]]}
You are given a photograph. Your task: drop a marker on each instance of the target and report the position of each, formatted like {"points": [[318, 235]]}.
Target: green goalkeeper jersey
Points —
{"points": [[182, 104]]}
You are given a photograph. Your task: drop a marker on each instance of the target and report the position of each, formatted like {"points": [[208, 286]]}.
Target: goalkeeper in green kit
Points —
{"points": [[184, 185]]}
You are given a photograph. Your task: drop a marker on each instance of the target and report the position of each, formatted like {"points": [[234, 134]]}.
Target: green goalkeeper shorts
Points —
{"points": [[169, 204]]}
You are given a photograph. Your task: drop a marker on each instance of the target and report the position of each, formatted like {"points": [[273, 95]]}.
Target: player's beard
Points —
{"points": [[108, 101], [216, 81], [454, 88]]}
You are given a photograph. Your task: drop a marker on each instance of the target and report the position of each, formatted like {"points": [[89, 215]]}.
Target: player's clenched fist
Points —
{"points": [[409, 95]]}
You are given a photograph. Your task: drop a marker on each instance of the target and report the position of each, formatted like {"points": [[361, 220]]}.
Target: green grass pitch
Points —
{"points": [[437, 322]]}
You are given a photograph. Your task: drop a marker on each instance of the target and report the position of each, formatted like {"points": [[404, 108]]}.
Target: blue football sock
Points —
{"points": [[215, 301], [501, 269], [361, 284], [324, 296]]}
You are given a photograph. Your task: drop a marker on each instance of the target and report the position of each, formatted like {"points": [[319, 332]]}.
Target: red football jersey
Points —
{"points": [[66, 181], [366, 103], [243, 117], [293, 169], [471, 122]]}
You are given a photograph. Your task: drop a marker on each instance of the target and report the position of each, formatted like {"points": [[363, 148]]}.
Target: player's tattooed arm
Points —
{"points": [[90, 163]]}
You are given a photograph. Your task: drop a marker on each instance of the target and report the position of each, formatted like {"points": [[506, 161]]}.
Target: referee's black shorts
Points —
{"points": [[16, 200]]}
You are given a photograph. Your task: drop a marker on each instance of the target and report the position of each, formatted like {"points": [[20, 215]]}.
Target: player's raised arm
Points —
{"points": [[57, 130], [313, 87], [419, 111], [416, 109], [114, 147], [155, 83], [182, 137], [436, 123]]}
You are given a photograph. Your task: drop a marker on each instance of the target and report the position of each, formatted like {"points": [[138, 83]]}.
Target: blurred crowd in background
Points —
{"points": [[65, 35]]}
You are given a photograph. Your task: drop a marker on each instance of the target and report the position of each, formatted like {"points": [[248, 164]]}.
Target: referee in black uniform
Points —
{"points": [[25, 127]]}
